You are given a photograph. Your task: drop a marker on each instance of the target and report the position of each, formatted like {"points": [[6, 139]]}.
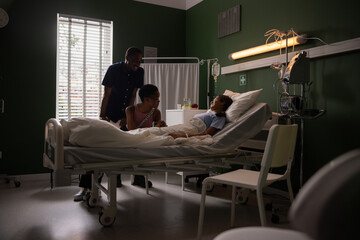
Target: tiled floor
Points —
{"points": [[34, 211]]}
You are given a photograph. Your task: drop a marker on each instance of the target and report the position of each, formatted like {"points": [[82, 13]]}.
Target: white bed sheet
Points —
{"points": [[86, 132], [228, 139]]}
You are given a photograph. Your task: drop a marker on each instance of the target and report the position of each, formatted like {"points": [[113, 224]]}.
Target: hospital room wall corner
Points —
{"points": [[334, 78]]}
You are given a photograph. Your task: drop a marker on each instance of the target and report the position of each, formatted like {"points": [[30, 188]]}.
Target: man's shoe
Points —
{"points": [[118, 181], [140, 181], [80, 195]]}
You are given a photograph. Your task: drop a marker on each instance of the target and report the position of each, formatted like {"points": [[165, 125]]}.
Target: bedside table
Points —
{"points": [[179, 116]]}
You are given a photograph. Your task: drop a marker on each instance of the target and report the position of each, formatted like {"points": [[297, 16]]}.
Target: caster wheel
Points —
{"points": [[106, 220], [242, 196], [275, 219], [210, 187], [242, 200], [91, 202]]}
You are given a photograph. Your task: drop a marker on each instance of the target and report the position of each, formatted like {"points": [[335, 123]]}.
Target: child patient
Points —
{"points": [[144, 115], [214, 119]]}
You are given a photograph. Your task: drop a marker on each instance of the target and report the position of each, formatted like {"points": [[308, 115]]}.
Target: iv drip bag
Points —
{"points": [[215, 70]]}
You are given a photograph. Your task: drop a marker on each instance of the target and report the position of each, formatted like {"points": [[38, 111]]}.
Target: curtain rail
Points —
{"points": [[172, 58]]}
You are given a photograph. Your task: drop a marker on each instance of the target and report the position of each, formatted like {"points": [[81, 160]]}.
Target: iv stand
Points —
{"points": [[208, 77], [301, 119]]}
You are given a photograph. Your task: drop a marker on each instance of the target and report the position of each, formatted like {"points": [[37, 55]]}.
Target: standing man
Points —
{"points": [[121, 81]]}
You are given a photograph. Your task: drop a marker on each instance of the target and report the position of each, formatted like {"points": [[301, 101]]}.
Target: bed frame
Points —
{"points": [[54, 159]]}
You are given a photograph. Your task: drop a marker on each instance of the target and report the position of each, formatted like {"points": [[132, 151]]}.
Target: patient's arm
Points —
{"points": [[210, 131]]}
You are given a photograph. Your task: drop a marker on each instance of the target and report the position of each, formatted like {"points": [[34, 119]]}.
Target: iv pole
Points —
{"points": [[208, 77], [301, 119]]}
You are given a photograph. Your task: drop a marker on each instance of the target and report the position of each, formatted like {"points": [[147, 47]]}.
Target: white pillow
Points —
{"points": [[231, 93], [241, 103]]}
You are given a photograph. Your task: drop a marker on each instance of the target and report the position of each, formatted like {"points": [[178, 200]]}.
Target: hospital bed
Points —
{"points": [[66, 160]]}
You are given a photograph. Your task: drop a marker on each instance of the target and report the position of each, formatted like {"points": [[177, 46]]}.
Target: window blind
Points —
{"points": [[84, 52]]}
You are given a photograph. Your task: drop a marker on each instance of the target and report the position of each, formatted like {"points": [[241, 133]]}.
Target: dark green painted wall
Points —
{"points": [[28, 63], [336, 78]]}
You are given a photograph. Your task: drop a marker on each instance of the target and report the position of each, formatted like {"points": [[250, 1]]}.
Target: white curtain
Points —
{"points": [[175, 82]]}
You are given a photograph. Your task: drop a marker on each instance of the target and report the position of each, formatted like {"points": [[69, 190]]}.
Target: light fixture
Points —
{"points": [[283, 43]]}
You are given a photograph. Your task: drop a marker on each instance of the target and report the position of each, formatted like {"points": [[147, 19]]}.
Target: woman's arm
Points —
{"points": [[210, 131], [130, 118], [157, 119]]}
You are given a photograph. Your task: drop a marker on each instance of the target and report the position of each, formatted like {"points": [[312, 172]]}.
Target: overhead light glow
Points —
{"points": [[268, 47]]}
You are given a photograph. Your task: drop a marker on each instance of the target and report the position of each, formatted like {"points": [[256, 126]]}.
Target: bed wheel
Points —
{"points": [[106, 218], [210, 187], [242, 196], [91, 201]]}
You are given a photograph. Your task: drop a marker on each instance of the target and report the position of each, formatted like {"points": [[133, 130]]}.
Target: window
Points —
{"points": [[84, 52]]}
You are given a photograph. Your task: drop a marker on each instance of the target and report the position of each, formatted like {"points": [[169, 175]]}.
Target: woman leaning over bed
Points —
{"points": [[214, 119]]}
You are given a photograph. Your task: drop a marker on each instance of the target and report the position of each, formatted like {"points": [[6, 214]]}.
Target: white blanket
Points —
{"points": [[88, 132]]}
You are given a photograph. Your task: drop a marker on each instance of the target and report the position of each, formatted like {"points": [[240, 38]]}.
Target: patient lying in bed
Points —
{"points": [[96, 133], [214, 119]]}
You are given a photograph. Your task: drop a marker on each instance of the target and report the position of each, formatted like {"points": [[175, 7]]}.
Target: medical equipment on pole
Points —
{"points": [[297, 72], [215, 72]]}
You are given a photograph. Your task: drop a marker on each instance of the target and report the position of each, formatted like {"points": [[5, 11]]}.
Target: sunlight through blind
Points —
{"points": [[84, 53]]}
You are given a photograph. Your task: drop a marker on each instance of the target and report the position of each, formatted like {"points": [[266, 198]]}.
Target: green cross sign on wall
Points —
{"points": [[243, 80]]}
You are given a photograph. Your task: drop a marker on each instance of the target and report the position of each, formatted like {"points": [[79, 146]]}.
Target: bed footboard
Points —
{"points": [[53, 156]]}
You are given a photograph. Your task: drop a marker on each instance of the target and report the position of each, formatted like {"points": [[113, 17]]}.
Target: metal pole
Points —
{"points": [[208, 78], [208, 82]]}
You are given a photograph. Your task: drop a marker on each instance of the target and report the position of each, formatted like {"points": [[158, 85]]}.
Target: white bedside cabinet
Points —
{"points": [[179, 116]]}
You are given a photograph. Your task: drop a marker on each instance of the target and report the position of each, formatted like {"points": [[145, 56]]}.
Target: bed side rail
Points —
{"points": [[258, 142], [53, 156], [220, 159]]}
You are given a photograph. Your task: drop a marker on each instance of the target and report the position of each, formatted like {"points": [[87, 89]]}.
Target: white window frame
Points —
{"points": [[87, 71]]}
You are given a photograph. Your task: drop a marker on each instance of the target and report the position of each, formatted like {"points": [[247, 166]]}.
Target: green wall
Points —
{"points": [[336, 83], [28, 63]]}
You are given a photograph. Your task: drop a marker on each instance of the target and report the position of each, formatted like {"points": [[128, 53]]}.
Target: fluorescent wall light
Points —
{"points": [[268, 47]]}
